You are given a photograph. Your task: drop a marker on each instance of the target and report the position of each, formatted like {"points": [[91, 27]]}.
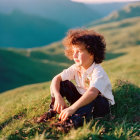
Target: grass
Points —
{"points": [[25, 103], [19, 107]]}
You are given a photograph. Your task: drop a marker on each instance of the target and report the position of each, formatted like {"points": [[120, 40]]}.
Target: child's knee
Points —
{"points": [[51, 91]]}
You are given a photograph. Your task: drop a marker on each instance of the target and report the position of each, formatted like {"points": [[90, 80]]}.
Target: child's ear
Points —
{"points": [[91, 56]]}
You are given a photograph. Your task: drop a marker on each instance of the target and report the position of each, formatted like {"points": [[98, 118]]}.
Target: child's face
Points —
{"points": [[82, 57]]}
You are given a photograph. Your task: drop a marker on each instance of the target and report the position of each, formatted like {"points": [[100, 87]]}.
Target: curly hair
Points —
{"points": [[94, 43]]}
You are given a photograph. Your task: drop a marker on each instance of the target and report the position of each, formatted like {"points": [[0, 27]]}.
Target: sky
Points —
{"points": [[102, 1]]}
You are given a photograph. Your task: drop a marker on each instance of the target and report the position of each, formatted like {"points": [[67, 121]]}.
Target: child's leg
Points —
{"points": [[97, 108], [68, 90]]}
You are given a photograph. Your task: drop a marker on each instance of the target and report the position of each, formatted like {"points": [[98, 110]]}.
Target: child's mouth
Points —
{"points": [[77, 61]]}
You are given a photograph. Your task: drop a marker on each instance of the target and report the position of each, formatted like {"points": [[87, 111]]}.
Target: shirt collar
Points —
{"points": [[90, 69]]}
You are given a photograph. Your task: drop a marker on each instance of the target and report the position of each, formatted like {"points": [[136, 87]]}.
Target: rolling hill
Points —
{"points": [[129, 11], [66, 12], [104, 9], [33, 23], [26, 31], [27, 24], [20, 66]]}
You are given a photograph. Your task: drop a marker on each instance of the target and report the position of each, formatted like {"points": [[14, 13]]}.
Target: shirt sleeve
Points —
{"points": [[100, 81], [68, 74]]}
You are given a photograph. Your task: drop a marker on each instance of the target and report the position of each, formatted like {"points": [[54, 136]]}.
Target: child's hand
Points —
{"points": [[59, 105], [66, 113]]}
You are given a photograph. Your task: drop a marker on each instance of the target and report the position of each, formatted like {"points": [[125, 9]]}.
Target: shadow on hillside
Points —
{"points": [[110, 55], [127, 96], [33, 72], [9, 120], [138, 42], [17, 69], [58, 58], [125, 114]]}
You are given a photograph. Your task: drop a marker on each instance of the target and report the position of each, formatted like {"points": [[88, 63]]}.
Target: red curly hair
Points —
{"points": [[94, 43]]}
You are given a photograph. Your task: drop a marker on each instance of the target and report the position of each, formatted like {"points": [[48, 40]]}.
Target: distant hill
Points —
{"points": [[69, 13], [104, 9], [129, 11], [25, 31], [21, 67], [32, 23], [120, 34]]}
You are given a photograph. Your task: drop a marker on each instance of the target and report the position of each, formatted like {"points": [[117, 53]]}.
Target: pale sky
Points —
{"points": [[102, 1]]}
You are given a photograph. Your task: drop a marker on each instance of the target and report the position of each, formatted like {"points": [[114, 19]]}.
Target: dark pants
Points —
{"points": [[99, 107]]}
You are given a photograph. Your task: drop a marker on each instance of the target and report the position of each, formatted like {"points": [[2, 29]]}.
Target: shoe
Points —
{"points": [[47, 115]]}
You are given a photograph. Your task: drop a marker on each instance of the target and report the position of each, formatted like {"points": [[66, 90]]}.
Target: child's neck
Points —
{"points": [[85, 68]]}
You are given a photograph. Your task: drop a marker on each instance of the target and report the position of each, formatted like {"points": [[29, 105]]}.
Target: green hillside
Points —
{"points": [[18, 107], [67, 12], [129, 11], [33, 23], [121, 34], [21, 30], [20, 66], [105, 9]]}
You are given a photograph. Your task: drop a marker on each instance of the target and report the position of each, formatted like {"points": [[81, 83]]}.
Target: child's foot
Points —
{"points": [[46, 116]]}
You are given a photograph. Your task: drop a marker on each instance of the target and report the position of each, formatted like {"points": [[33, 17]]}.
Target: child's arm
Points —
{"points": [[59, 101], [87, 97]]}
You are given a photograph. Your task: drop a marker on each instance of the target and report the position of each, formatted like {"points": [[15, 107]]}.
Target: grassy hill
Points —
{"points": [[66, 12], [129, 11], [105, 9], [121, 34], [20, 66], [18, 107], [22, 30], [33, 23]]}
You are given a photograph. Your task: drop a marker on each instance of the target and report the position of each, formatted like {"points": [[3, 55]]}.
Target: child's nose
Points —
{"points": [[75, 55]]}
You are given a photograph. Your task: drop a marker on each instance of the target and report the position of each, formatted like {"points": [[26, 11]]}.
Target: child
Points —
{"points": [[92, 95]]}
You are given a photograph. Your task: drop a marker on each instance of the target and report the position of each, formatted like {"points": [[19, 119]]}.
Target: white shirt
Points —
{"points": [[94, 76]]}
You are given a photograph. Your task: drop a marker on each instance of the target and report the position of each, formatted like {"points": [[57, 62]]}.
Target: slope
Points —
{"points": [[20, 67], [21, 30], [129, 11], [69, 13]]}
